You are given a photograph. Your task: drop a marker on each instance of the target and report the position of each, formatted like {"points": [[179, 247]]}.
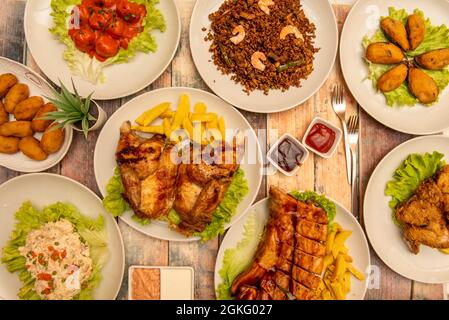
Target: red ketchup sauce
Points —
{"points": [[321, 138], [288, 155], [105, 26]]}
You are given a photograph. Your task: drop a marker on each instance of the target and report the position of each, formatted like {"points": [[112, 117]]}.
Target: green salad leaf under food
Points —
{"points": [[236, 260], [406, 179], [92, 232], [91, 69], [238, 189], [437, 37]]}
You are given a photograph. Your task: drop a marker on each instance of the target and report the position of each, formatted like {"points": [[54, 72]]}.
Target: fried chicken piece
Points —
{"points": [[434, 235]]}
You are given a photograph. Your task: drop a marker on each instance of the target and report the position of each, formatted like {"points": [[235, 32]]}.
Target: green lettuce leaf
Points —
{"points": [[237, 190], [406, 179], [91, 231], [437, 37], [91, 69], [238, 259]]}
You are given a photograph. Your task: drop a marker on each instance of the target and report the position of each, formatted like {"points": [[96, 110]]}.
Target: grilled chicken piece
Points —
{"points": [[308, 262], [305, 278], [309, 246], [301, 292], [248, 293], [312, 230], [312, 213]]}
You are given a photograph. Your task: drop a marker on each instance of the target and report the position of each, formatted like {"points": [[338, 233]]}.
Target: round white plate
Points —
{"points": [[364, 20], [430, 265], [38, 87], [319, 12], [357, 243], [58, 188], [104, 157], [138, 73]]}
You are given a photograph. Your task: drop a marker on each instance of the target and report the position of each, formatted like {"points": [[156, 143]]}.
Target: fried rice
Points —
{"points": [[288, 61]]}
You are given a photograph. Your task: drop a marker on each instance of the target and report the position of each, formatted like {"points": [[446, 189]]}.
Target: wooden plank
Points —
{"points": [[423, 291]]}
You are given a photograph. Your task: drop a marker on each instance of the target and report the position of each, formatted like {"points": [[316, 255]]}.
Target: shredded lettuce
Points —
{"points": [[91, 231], [236, 260], [406, 179], [437, 37], [91, 69], [237, 190]]}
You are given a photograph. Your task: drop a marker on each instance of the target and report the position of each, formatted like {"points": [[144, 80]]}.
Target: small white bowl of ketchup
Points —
{"points": [[322, 137]]}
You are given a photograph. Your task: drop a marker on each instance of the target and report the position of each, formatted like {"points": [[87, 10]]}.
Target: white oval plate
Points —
{"points": [[104, 157], [38, 87], [364, 19], [430, 265], [138, 73], [319, 12], [58, 188], [357, 243]]}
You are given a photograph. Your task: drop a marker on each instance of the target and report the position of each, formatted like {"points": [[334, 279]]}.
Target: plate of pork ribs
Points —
{"points": [[294, 246], [406, 209]]}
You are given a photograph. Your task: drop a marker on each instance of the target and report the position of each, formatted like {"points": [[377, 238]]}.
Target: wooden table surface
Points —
{"points": [[325, 176]]}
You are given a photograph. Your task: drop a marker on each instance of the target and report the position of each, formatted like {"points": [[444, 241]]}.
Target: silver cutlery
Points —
{"points": [[353, 137], [339, 106]]}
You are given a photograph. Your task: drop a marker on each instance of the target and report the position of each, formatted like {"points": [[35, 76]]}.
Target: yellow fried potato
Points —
{"points": [[434, 60], [200, 107], [27, 109], [188, 126], [395, 29], [338, 290], [149, 129], [422, 86], [4, 116], [445, 251], [38, 124], [18, 129], [340, 267], [416, 29], [15, 95], [30, 147], [52, 139], [182, 112], [360, 276], [384, 53], [340, 239], [204, 117], [7, 81], [222, 128], [9, 145], [167, 114], [393, 78], [149, 116], [167, 127]]}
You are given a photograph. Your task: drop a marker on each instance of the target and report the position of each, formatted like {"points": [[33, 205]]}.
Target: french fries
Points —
{"points": [[338, 268], [201, 126]]}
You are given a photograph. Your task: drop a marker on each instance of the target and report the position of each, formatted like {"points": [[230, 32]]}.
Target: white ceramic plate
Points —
{"points": [[364, 19], [104, 157], [138, 73], [429, 266], [38, 87], [319, 12], [357, 243], [58, 188]]}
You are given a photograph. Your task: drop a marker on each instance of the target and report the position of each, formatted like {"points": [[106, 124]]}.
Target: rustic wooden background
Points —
{"points": [[326, 176]]}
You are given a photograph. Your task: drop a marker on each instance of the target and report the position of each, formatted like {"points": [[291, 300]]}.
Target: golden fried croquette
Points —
{"points": [[395, 29], [393, 78], [422, 86], [30, 146], [27, 109], [52, 139], [384, 53], [4, 116], [434, 60], [40, 125], [7, 81], [416, 28], [15, 95], [9, 145], [17, 129]]}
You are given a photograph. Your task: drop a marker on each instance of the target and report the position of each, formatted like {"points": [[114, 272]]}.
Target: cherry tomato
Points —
{"points": [[106, 46], [116, 28], [129, 11], [100, 19], [83, 38]]}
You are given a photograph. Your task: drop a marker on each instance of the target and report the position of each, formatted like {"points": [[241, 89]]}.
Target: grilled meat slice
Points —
{"points": [[312, 230], [309, 246], [282, 280], [310, 212], [308, 262], [248, 278], [301, 292], [305, 278], [248, 293]]}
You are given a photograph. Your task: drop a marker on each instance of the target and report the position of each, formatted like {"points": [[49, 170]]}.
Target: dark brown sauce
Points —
{"points": [[288, 155]]}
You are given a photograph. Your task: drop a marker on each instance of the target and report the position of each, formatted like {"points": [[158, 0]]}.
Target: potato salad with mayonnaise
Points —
{"points": [[57, 259]]}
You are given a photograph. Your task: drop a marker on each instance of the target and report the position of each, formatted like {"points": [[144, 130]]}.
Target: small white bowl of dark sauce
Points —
{"points": [[288, 155]]}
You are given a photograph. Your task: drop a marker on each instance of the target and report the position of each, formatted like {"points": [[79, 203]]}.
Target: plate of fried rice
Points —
{"points": [[264, 55]]}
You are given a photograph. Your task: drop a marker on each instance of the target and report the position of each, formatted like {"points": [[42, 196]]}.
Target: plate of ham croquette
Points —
{"points": [[27, 142]]}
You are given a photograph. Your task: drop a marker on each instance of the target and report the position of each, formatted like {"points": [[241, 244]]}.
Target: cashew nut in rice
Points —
{"points": [[264, 4], [290, 30], [256, 60], [239, 31]]}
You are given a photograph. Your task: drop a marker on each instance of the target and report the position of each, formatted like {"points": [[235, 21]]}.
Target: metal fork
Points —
{"points": [[353, 137], [339, 106]]}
